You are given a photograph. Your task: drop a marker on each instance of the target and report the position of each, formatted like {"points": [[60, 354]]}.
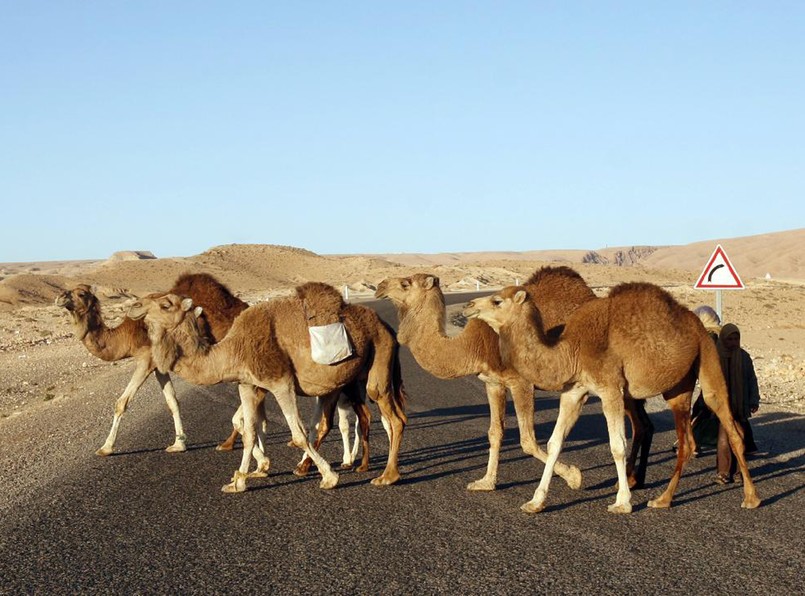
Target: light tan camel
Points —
{"points": [[268, 347], [637, 342], [422, 314], [130, 340]]}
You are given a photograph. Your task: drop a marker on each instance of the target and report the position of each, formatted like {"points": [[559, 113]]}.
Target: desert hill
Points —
{"points": [[779, 254], [771, 313], [256, 271]]}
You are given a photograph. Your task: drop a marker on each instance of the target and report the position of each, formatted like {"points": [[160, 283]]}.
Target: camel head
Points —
{"points": [[166, 311], [501, 308], [163, 311], [79, 300], [407, 291], [173, 325]]}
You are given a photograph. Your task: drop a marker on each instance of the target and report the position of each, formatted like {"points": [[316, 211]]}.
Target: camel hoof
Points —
{"points": [[300, 471], [482, 485], [751, 502], [385, 479], [104, 451], [238, 484], [329, 481], [362, 468], [225, 447], [620, 508], [532, 507], [346, 466], [659, 503], [232, 488], [573, 477], [257, 474], [176, 448]]}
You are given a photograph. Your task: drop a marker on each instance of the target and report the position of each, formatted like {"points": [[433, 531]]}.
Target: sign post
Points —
{"points": [[718, 275]]}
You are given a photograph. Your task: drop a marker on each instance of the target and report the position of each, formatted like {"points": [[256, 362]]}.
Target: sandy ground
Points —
{"points": [[43, 364]]}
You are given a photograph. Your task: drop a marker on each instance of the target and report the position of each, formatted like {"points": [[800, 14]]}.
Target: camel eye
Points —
{"points": [[497, 301], [165, 306], [405, 284]]}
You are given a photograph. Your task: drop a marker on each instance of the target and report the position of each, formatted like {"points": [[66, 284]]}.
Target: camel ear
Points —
{"points": [[520, 297], [197, 311], [187, 304], [431, 281], [136, 311]]}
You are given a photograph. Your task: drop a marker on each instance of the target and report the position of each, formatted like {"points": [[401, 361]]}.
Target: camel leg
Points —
{"points": [[362, 423], [325, 407], [612, 404], [523, 398], [394, 425], [237, 425], [285, 395], [249, 403], [353, 399], [642, 435], [303, 467], [570, 403], [734, 434], [141, 372], [170, 399], [229, 443], [261, 427], [496, 396], [348, 457], [680, 406]]}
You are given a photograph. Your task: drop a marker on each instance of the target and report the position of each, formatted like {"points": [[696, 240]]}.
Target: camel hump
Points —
{"points": [[544, 273], [207, 291], [322, 303]]}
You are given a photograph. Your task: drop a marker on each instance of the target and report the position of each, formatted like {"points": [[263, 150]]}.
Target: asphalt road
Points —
{"points": [[148, 522]]}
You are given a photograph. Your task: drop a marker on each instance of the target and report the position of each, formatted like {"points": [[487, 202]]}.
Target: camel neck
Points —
{"points": [[524, 346], [187, 352], [98, 339], [422, 329]]}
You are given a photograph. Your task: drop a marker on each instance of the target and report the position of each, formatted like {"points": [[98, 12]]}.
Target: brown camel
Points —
{"points": [[268, 347], [421, 308], [637, 342], [130, 340]]}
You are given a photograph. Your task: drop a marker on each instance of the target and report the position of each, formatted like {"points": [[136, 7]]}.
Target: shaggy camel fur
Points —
{"points": [[639, 342], [130, 340], [421, 308], [268, 347]]}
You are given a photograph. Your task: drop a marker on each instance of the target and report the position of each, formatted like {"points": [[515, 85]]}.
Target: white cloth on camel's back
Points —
{"points": [[329, 344]]}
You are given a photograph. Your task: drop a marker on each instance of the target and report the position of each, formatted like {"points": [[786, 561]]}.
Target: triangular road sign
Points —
{"points": [[719, 274]]}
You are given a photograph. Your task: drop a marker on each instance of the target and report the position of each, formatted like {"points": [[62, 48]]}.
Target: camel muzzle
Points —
{"points": [[470, 310], [64, 301]]}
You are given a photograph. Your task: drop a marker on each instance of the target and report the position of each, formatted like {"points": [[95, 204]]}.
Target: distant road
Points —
{"points": [[148, 522]]}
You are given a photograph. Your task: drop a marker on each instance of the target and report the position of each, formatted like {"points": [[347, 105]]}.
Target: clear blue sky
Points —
{"points": [[353, 127]]}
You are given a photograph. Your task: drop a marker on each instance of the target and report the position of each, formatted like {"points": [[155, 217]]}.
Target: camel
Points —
{"points": [[130, 340], [421, 308], [558, 291], [268, 347], [636, 342]]}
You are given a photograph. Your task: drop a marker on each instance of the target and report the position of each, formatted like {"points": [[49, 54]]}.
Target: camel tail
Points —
{"points": [[711, 377]]}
